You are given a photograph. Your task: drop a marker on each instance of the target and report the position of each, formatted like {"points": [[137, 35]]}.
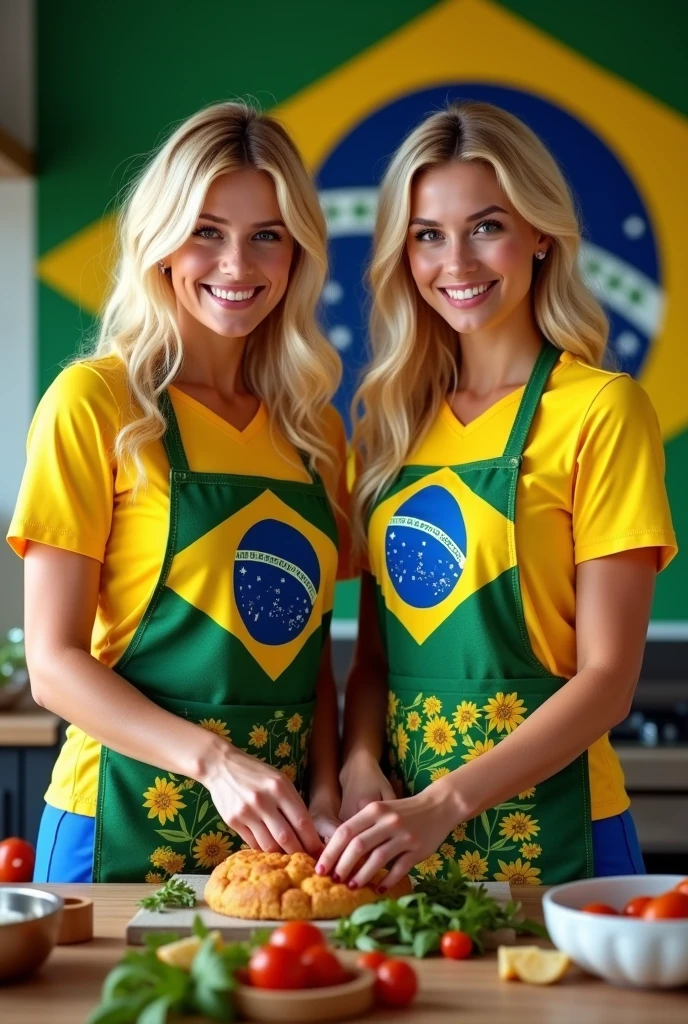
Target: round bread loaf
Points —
{"points": [[285, 887]]}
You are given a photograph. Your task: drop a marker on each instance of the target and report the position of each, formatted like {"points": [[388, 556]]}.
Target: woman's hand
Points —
{"points": [[259, 802], [404, 831], [324, 811], [363, 782]]}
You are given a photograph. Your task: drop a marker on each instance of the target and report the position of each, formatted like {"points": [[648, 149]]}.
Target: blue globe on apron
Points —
{"points": [[425, 547], [276, 581]]}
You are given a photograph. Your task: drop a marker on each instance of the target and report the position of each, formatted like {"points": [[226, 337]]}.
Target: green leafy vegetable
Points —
{"points": [[174, 893], [414, 924], [141, 989]]}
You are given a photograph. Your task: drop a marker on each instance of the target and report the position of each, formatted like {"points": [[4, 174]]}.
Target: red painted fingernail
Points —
{"points": [[319, 869], [335, 876], [381, 890], [353, 885]]}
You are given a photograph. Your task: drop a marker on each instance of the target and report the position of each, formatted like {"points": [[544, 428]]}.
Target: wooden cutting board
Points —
{"points": [[180, 920]]}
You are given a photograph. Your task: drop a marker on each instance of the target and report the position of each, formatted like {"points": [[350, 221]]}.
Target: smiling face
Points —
{"points": [[470, 253], [234, 268]]}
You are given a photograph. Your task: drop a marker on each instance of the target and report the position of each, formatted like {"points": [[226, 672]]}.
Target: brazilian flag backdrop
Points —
{"points": [[602, 83]]}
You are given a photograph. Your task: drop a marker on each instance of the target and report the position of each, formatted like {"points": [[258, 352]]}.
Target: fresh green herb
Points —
{"points": [[174, 893], [414, 924], [141, 989]]}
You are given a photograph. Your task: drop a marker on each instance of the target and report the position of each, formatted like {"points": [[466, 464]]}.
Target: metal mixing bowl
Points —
{"points": [[25, 944]]}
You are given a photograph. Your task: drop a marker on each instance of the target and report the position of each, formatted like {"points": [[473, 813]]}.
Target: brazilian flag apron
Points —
{"points": [[462, 672], [231, 640]]}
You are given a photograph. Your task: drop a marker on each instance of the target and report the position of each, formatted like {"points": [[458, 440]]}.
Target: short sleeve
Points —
{"points": [[66, 494], [347, 565], [619, 498]]}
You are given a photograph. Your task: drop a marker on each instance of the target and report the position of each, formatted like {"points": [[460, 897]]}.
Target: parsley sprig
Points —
{"points": [[141, 989], [414, 924], [174, 893]]}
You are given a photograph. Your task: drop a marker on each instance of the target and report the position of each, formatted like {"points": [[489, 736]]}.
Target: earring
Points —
{"points": [[162, 268], [540, 255]]}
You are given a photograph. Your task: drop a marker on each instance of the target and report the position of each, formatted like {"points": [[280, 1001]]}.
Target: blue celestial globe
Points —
{"points": [[425, 547], [276, 581], [619, 252]]}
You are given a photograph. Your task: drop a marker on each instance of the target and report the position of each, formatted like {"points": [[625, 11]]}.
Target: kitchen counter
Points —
{"points": [[25, 724], [67, 987]]}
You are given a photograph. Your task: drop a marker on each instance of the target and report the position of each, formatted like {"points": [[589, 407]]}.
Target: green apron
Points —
{"points": [[462, 672], [231, 640]]}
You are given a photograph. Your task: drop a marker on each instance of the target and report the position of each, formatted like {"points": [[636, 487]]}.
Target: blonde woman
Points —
{"points": [[513, 504], [177, 525]]}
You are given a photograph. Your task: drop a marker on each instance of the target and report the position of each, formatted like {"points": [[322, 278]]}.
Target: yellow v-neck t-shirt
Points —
{"points": [[75, 496]]}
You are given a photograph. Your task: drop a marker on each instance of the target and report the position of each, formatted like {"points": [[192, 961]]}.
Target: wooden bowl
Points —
{"points": [[336, 1002]]}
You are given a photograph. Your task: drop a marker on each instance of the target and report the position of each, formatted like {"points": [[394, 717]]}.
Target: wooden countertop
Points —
{"points": [[68, 985], [25, 724]]}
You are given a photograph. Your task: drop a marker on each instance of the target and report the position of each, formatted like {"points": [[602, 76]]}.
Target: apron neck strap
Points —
{"points": [[531, 399], [172, 437]]}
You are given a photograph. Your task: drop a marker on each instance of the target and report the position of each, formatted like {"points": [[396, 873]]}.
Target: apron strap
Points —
{"points": [[172, 437], [531, 399]]}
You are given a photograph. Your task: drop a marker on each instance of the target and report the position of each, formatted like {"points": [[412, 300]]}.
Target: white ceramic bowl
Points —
{"points": [[623, 950]]}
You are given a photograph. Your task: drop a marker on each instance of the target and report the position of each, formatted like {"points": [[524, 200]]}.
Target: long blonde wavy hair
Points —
{"points": [[287, 362], [414, 351]]}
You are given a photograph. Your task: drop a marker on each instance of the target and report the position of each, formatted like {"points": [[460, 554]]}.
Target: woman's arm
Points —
{"points": [[365, 711], [61, 596], [614, 596]]}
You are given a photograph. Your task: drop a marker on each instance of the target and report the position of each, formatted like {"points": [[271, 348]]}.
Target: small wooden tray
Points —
{"points": [[336, 1002]]}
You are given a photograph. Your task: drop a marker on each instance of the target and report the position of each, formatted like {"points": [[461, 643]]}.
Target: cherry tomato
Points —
{"points": [[599, 908], [396, 984], [297, 936], [682, 887], [276, 967], [371, 961], [322, 967], [456, 945], [636, 906], [17, 858], [668, 905]]}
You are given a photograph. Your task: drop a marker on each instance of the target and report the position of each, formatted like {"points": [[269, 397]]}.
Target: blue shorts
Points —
{"points": [[64, 851]]}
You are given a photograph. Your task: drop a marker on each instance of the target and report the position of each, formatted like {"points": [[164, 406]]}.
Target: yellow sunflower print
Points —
{"points": [[154, 878], [438, 773], [215, 725], [289, 770], [165, 857], [530, 851], [518, 873], [519, 826], [430, 866], [504, 712], [164, 800], [294, 723], [211, 849], [413, 721], [432, 706], [258, 736], [459, 833], [473, 866], [402, 742], [447, 850], [284, 749], [465, 716], [392, 704], [477, 749], [439, 735], [527, 793]]}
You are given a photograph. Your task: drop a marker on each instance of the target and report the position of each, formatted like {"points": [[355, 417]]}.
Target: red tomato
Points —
{"points": [[668, 905], [397, 983], [277, 967], [16, 860], [636, 906], [297, 936], [371, 961], [682, 887], [598, 908], [456, 945], [322, 967]]}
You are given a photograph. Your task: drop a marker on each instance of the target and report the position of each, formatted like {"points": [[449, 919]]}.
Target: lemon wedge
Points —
{"points": [[182, 952], [531, 964]]}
